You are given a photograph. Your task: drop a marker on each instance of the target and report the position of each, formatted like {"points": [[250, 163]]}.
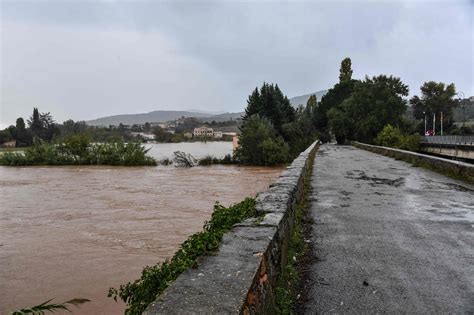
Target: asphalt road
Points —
{"points": [[388, 237]]}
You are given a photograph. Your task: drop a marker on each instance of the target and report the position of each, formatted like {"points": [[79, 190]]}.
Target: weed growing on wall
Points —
{"points": [[155, 279], [289, 278]]}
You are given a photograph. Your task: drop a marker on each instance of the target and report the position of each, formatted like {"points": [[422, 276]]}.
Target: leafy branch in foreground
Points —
{"points": [[155, 279], [50, 307]]}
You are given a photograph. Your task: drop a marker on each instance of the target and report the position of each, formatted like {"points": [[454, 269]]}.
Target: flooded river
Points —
{"points": [[68, 232]]}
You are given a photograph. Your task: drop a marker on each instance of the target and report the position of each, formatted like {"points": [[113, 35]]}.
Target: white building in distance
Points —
{"points": [[203, 132]]}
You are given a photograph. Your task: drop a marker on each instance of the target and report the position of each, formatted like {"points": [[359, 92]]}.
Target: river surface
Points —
{"points": [[197, 149], [74, 231]]}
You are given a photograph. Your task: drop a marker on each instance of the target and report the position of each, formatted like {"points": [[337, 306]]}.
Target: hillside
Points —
{"points": [[222, 117], [167, 115], [301, 100], [155, 116]]}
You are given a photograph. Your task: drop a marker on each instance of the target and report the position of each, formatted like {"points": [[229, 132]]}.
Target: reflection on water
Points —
{"points": [[75, 231]]}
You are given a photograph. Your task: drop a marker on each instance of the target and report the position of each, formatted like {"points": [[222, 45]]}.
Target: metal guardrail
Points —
{"points": [[449, 140]]}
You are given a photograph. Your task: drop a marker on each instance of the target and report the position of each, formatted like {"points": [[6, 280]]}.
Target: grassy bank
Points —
{"points": [[289, 281], [80, 151], [155, 279]]}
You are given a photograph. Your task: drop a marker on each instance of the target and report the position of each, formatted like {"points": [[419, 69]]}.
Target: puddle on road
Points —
{"points": [[458, 187], [374, 180]]}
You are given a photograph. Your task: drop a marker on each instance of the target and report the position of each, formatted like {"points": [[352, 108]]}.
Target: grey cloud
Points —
{"points": [[140, 56]]}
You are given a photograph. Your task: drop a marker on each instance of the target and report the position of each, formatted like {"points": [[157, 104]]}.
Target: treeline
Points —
{"points": [[360, 109], [41, 127], [79, 150], [274, 132]]}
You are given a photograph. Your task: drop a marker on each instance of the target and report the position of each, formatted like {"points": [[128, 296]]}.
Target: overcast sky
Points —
{"points": [[86, 59]]}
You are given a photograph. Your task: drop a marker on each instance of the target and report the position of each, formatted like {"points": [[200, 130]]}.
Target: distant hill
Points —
{"points": [[155, 116], [222, 117], [301, 100], [160, 116], [167, 115]]}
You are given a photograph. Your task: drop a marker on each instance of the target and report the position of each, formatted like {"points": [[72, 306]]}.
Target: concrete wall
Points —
{"points": [[241, 277], [461, 169], [457, 151]]}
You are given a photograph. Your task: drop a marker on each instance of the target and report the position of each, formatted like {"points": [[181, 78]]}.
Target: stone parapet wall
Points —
{"points": [[241, 277], [462, 169]]}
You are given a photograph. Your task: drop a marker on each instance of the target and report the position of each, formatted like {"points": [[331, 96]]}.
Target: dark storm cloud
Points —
{"points": [[84, 59]]}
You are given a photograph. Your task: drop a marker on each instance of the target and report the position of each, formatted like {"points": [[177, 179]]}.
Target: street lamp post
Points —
{"points": [[461, 100]]}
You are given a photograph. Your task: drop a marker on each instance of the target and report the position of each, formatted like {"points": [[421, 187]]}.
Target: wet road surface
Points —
{"points": [[388, 237]]}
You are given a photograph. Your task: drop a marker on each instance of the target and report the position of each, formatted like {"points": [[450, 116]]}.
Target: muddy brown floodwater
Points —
{"points": [[68, 232]]}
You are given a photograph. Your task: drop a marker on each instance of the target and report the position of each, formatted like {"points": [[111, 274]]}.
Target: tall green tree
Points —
{"points": [[332, 99], [271, 103], [42, 125], [23, 136], [34, 123], [436, 98], [301, 132], [20, 124], [345, 72], [374, 103]]}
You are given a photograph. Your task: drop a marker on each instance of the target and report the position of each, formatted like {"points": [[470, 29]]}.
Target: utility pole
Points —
{"points": [[424, 113], [441, 123], [434, 124]]}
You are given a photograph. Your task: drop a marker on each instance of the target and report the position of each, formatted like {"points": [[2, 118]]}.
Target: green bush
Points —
{"points": [[392, 137], [259, 144], [411, 143], [389, 137], [208, 160], [155, 279], [78, 150]]}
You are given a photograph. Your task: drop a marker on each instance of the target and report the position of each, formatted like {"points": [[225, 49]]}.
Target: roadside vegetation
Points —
{"points": [[289, 284], [274, 132], [155, 279], [393, 137], [79, 150]]}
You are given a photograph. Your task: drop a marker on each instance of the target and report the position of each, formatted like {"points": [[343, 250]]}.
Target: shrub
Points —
{"points": [[411, 143], [389, 137], [392, 137], [77, 150], [259, 143]]}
